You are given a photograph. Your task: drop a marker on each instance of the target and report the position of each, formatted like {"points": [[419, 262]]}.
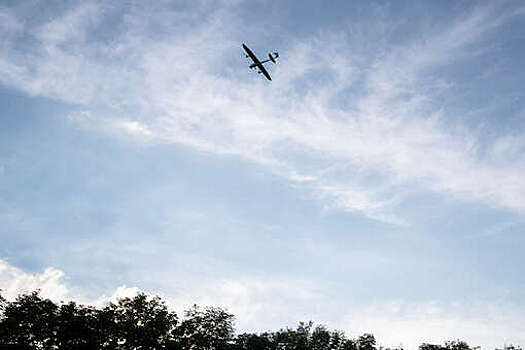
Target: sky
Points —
{"points": [[375, 185]]}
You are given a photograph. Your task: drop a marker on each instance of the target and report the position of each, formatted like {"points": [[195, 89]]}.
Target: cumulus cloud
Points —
{"points": [[119, 293], [258, 303], [387, 140], [14, 281], [52, 284], [489, 325]]}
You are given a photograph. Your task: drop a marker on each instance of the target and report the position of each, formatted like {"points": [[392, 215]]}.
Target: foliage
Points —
{"points": [[449, 345], [29, 320], [76, 327], [252, 341], [145, 322], [366, 342], [209, 328], [3, 303], [141, 322]]}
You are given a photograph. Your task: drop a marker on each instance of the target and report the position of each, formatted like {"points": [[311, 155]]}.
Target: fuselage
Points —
{"points": [[256, 63]]}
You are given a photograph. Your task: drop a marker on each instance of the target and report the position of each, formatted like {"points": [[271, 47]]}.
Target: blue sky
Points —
{"points": [[375, 185]]}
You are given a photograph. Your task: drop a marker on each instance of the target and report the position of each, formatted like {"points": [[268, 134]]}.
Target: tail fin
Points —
{"points": [[273, 56]]}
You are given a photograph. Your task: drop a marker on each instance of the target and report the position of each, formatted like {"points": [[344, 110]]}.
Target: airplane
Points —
{"points": [[260, 64]]}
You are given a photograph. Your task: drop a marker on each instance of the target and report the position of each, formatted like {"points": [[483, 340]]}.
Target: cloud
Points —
{"points": [[248, 298], [385, 139], [489, 325], [258, 302], [120, 292], [134, 128], [70, 27], [51, 283], [14, 281], [9, 24]]}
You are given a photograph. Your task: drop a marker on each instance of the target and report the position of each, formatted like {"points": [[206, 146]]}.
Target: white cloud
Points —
{"points": [[51, 283], [489, 325], [119, 293], [14, 281], [385, 142], [293, 176], [132, 127], [71, 26], [258, 304]]}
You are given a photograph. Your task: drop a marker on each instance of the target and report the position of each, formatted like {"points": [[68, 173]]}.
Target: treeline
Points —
{"points": [[144, 322]]}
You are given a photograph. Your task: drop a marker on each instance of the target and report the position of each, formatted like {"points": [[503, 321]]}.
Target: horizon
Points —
{"points": [[375, 185]]}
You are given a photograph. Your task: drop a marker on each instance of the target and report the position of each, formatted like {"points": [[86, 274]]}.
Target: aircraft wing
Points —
{"points": [[264, 71], [252, 56], [256, 62]]}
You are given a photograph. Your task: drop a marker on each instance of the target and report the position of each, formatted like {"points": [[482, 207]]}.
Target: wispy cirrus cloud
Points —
{"points": [[365, 129]]}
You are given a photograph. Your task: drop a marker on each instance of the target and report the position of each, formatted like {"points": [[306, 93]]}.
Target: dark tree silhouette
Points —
{"points": [[323, 339], [366, 342], [320, 339], [141, 322], [3, 304], [251, 341], [205, 329], [131, 323], [309, 338], [456, 345], [76, 327], [426, 346], [144, 322], [30, 320], [449, 345]]}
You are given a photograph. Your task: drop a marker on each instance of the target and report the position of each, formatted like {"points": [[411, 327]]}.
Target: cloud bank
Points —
{"points": [[357, 125], [258, 305]]}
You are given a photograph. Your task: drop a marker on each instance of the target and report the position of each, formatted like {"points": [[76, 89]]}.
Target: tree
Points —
{"points": [[3, 304], [29, 321], [251, 341], [141, 322], [449, 345], [320, 339], [456, 345], [338, 341], [426, 346], [144, 322], [366, 342], [207, 329], [78, 327], [131, 323], [298, 339]]}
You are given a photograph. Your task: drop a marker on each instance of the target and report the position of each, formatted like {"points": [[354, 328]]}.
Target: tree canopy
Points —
{"points": [[144, 322]]}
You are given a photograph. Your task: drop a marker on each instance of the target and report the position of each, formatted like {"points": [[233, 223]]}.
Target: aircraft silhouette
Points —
{"points": [[260, 64]]}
